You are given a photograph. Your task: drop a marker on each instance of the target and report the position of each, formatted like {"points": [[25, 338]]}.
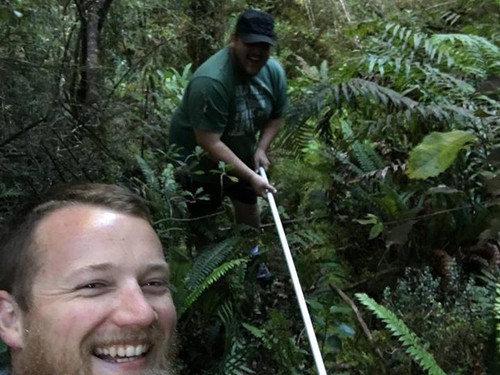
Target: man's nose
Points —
{"points": [[132, 308]]}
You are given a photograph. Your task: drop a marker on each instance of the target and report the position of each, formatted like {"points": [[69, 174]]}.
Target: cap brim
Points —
{"points": [[257, 38]]}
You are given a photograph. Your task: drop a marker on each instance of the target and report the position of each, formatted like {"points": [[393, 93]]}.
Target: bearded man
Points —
{"points": [[84, 287]]}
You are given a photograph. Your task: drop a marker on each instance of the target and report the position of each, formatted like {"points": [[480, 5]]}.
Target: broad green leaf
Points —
{"points": [[436, 153], [370, 219], [376, 230], [345, 330]]}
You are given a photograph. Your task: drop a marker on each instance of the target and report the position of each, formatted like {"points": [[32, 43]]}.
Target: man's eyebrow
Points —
{"points": [[100, 267], [103, 267], [157, 267]]}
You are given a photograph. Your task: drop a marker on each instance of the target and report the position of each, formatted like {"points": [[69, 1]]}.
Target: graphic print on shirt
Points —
{"points": [[252, 107]]}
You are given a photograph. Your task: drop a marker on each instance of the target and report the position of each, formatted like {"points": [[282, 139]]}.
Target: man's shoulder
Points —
{"points": [[215, 67], [273, 63], [4, 371], [275, 67]]}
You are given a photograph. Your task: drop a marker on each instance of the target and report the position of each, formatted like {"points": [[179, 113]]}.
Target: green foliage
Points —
{"points": [[497, 318], [436, 153], [3, 354], [275, 338], [207, 261], [413, 345], [453, 313], [215, 275]]}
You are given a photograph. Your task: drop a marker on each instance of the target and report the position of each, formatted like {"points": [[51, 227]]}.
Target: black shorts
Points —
{"points": [[238, 191]]}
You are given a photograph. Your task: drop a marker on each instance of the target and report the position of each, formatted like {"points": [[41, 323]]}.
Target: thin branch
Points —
{"points": [[374, 277], [362, 323], [54, 163], [21, 132], [75, 159]]}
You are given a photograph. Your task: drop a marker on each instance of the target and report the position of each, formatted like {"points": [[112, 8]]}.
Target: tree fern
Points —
{"points": [[413, 345], [209, 280]]}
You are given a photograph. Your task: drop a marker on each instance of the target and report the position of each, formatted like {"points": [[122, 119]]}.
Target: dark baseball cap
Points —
{"points": [[254, 26]]}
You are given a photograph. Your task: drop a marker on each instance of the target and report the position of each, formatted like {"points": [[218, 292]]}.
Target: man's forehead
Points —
{"points": [[78, 215], [78, 230]]}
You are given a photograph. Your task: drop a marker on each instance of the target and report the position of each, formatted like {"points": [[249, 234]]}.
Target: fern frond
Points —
{"points": [[236, 352], [216, 274], [307, 238], [410, 341], [147, 172], [366, 156], [207, 261], [235, 361], [474, 53], [400, 49]]}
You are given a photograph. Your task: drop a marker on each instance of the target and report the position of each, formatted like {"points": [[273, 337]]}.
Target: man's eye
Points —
{"points": [[156, 284], [92, 285]]}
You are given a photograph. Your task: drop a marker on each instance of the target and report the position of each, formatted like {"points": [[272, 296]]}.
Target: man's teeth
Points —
{"points": [[122, 351]]}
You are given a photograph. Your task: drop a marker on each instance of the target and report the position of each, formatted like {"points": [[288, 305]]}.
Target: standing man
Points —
{"points": [[84, 287], [237, 94]]}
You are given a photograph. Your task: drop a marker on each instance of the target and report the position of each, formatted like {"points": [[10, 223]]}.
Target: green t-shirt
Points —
{"points": [[220, 99]]}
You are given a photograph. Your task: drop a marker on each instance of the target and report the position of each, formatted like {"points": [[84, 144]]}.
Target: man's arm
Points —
{"points": [[268, 132], [218, 151]]}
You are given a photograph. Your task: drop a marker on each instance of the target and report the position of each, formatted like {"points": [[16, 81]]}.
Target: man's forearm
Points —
{"points": [[218, 151], [268, 132]]}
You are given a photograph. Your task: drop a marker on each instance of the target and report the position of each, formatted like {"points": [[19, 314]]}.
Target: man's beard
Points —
{"points": [[38, 358]]}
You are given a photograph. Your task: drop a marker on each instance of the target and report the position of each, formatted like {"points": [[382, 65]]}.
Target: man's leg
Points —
{"points": [[203, 226], [245, 213], [249, 214]]}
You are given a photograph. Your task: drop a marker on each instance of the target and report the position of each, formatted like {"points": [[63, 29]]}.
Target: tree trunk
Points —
{"points": [[92, 14]]}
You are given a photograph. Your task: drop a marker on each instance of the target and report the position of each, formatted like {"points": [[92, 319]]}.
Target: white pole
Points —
{"points": [[313, 342]]}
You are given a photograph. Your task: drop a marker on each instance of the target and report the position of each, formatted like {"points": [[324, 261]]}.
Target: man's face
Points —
{"points": [[249, 57], [101, 303]]}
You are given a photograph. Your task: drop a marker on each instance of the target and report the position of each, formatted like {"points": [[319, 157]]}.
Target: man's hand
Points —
{"points": [[260, 186], [260, 160]]}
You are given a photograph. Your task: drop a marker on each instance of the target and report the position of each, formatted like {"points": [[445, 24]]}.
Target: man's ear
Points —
{"points": [[232, 39], [11, 323]]}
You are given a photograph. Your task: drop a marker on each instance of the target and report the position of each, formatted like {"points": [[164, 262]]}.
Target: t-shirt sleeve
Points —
{"points": [[281, 99], [207, 104]]}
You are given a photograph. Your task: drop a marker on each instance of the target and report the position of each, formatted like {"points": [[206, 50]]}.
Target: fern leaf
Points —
{"points": [[207, 261], [410, 341], [209, 280], [147, 172]]}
